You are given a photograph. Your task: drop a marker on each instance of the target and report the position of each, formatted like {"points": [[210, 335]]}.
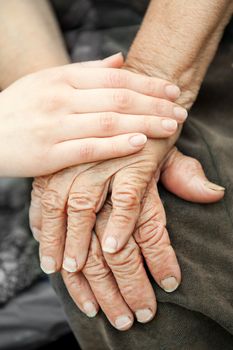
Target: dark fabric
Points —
{"points": [[18, 250], [32, 319], [199, 315]]}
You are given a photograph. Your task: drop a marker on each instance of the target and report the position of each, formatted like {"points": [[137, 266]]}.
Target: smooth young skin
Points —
{"points": [[72, 114]]}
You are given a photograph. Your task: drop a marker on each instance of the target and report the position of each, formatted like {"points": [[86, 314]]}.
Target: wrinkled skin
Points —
{"points": [[122, 273], [63, 214]]}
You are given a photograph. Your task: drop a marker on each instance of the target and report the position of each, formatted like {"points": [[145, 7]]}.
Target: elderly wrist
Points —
{"points": [[185, 80]]}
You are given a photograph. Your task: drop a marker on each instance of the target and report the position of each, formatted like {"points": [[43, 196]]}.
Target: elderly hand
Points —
{"points": [[122, 274], [69, 201]]}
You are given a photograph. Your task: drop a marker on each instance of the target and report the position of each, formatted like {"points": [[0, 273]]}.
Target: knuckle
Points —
{"points": [[81, 199], [162, 259], [52, 204], [192, 164], [150, 85], [115, 149], [116, 78], [152, 234], [86, 151], [73, 237], [54, 75], [49, 239], [96, 267], [73, 281], [54, 100], [127, 261], [123, 218], [129, 197], [39, 185], [80, 222], [107, 122], [162, 107], [122, 99], [146, 125]]}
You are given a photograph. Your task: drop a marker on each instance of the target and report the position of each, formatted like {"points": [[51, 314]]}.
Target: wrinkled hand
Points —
{"points": [[183, 176], [80, 192], [72, 198]]}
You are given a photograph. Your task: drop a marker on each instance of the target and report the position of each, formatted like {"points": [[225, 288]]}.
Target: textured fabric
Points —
{"points": [[199, 315], [32, 319], [18, 250]]}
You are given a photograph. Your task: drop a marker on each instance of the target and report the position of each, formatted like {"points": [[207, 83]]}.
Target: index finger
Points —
{"points": [[128, 188], [92, 78]]}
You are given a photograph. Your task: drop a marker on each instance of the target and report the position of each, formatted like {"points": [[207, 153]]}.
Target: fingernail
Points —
{"points": [[144, 315], [169, 284], [36, 233], [213, 186], [90, 309], [169, 124], [123, 322], [70, 265], [110, 245], [180, 112], [172, 91], [48, 264], [138, 140]]}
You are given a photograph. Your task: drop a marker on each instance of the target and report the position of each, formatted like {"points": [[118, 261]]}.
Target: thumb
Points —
{"points": [[185, 177], [114, 61]]}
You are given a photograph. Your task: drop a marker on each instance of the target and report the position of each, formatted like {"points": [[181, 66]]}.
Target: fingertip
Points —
{"points": [[90, 308], [204, 191], [172, 91], [214, 187], [169, 125], [123, 322], [144, 315], [138, 140], [70, 265], [36, 233], [48, 264], [115, 61], [110, 245], [170, 284]]}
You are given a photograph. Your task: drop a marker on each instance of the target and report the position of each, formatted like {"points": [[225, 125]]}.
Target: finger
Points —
{"points": [[184, 176], [73, 152], [128, 270], [120, 78], [85, 199], [105, 288], [128, 189], [153, 239], [53, 232], [113, 61], [81, 293], [123, 101], [111, 124], [35, 211]]}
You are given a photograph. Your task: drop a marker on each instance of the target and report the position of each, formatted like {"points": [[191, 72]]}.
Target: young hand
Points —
{"points": [[80, 113]]}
